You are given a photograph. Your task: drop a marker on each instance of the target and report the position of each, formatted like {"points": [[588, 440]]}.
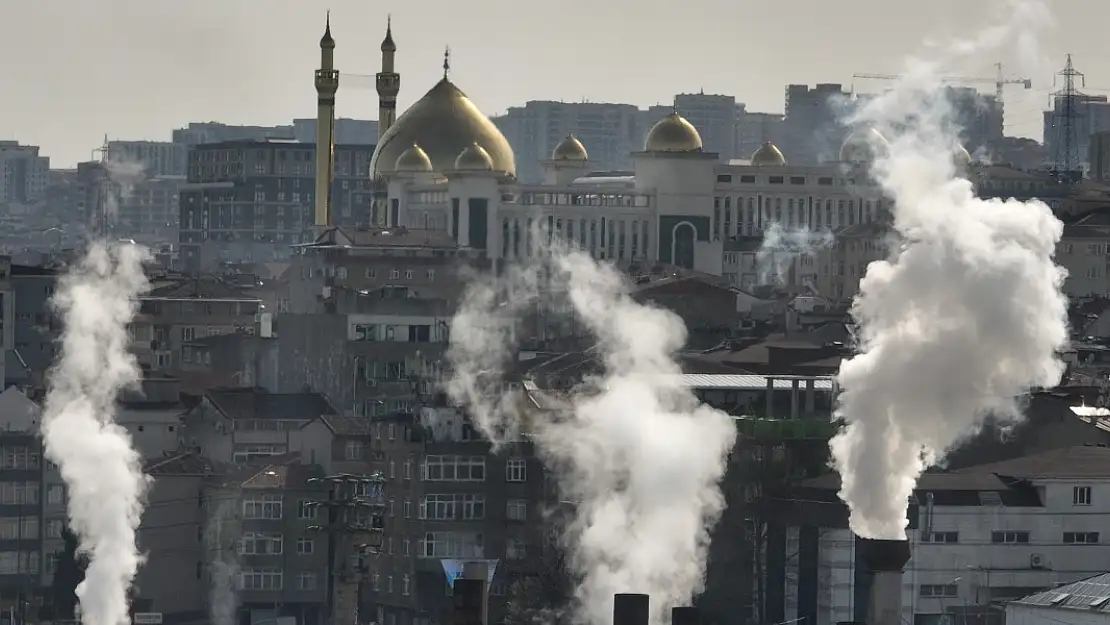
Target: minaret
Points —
{"points": [[327, 83], [389, 83]]}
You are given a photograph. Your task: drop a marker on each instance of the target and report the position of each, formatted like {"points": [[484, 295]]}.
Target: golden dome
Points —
{"points": [[768, 155], [414, 159], [443, 123], [474, 158], [863, 145], [570, 149], [673, 134]]}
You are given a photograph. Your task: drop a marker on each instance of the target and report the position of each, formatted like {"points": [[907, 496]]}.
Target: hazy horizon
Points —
{"points": [[135, 70]]}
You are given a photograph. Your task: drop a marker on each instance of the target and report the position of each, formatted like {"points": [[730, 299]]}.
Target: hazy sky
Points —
{"points": [[73, 70]]}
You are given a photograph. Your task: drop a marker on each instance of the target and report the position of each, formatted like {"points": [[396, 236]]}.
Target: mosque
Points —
{"points": [[444, 165]]}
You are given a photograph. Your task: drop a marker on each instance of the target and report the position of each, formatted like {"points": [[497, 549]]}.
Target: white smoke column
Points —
{"points": [[634, 449], [97, 300], [781, 246], [219, 539], [125, 174], [965, 317]]}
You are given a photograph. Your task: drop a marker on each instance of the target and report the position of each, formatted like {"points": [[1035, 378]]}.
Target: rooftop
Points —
{"points": [[257, 403], [1089, 595], [202, 288]]}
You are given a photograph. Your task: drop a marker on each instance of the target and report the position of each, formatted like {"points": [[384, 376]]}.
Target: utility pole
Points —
{"points": [[355, 524], [1066, 115]]}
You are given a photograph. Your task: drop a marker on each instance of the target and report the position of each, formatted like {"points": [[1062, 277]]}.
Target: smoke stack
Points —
{"points": [[630, 609], [886, 560], [685, 615]]}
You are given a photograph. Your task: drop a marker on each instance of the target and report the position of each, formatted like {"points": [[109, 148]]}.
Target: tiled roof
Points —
{"points": [[183, 463], [1089, 595], [1068, 462], [257, 403], [203, 288], [347, 426]]}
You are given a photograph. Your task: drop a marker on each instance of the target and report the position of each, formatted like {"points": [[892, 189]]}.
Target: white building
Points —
{"points": [[981, 536], [1086, 602]]}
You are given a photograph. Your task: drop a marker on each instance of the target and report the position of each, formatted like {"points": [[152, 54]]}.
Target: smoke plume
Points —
{"points": [[632, 447], [961, 320], [123, 175], [223, 567], [97, 300], [781, 246]]}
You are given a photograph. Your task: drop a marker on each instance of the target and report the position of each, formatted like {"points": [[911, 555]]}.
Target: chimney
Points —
{"points": [[630, 609], [886, 560], [685, 615]]}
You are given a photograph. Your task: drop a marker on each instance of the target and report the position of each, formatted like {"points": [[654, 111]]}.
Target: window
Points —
{"points": [[247, 453], [307, 509], [407, 508], [20, 528], [392, 469], [389, 583], [262, 507], [405, 585], [516, 510], [260, 578], [452, 545], [24, 492], [516, 470], [14, 563], [408, 470], [20, 458], [405, 547], [56, 494], [453, 507], [54, 528], [454, 469], [376, 582], [306, 580], [1010, 537], [354, 450], [1080, 538], [1081, 496], [515, 549], [305, 546], [940, 537], [939, 590], [253, 544]]}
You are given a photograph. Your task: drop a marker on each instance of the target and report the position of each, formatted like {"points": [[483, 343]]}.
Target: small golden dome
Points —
{"points": [[673, 134], [570, 149], [961, 156], [442, 123], [863, 145], [474, 158], [414, 159], [768, 155]]}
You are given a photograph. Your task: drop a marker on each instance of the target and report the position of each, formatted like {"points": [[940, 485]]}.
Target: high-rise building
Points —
{"points": [[158, 158], [23, 172], [813, 129], [715, 118]]}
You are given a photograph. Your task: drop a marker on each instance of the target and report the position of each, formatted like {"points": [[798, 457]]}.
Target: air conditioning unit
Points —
{"points": [[1037, 561]]}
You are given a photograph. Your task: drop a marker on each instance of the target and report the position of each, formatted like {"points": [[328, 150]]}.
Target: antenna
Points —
{"points": [[103, 188], [1065, 117]]}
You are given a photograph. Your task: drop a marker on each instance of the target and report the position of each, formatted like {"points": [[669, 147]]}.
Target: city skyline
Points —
{"points": [[182, 74]]}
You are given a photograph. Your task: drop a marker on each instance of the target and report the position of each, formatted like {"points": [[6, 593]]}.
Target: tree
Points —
{"points": [[542, 595], [69, 572]]}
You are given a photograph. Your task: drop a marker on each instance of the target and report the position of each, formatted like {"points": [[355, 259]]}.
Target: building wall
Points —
{"points": [[172, 534]]}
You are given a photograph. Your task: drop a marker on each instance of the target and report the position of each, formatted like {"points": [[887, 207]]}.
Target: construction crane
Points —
{"points": [[1000, 81]]}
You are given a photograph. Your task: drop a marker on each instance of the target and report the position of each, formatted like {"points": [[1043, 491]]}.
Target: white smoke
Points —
{"points": [[966, 316], [97, 300], [632, 447], [781, 246], [123, 175], [223, 566]]}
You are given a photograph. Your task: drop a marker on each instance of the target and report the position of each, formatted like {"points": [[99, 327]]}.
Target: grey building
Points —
{"points": [[449, 497], [252, 200]]}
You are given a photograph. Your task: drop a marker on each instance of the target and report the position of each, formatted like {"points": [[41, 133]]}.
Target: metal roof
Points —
{"points": [[1091, 594], [748, 382]]}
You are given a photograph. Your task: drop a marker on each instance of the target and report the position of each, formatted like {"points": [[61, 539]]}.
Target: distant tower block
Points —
{"points": [[327, 83], [388, 82]]}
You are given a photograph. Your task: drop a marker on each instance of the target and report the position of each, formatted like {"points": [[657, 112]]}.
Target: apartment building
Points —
{"points": [[449, 499], [23, 173], [981, 535], [181, 310], [33, 348], [149, 210], [251, 200], [157, 158]]}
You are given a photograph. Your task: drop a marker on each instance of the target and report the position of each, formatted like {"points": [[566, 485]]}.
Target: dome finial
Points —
{"points": [[326, 40], [387, 43], [446, 61]]}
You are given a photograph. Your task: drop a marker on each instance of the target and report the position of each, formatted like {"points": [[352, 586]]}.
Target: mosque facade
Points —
{"points": [[443, 165]]}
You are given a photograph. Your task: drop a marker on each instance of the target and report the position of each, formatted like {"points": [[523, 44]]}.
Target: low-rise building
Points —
{"points": [[1085, 602]]}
